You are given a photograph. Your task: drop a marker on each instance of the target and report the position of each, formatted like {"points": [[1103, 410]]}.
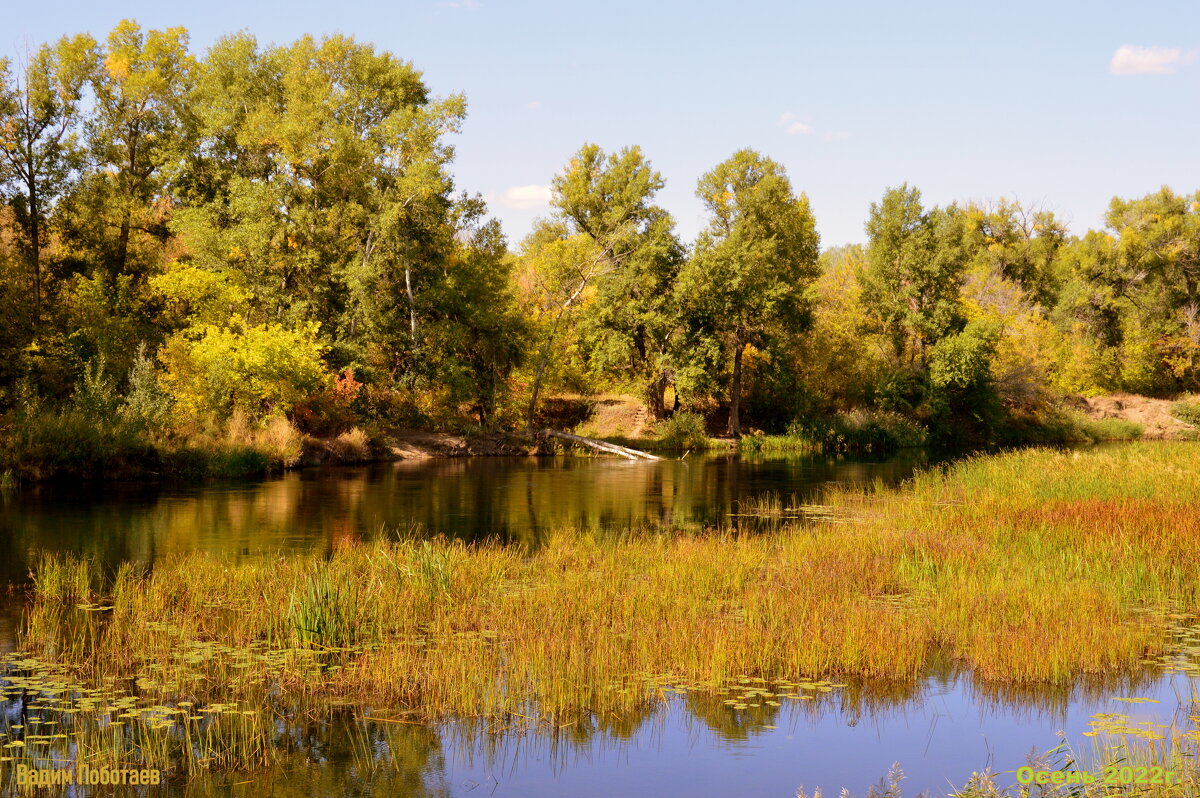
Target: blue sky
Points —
{"points": [[1063, 104]]}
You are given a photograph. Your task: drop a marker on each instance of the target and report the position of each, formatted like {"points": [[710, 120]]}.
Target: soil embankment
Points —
{"points": [[416, 444], [1153, 414]]}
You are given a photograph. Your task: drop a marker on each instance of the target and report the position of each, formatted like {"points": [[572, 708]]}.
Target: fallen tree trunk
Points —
{"points": [[602, 446]]}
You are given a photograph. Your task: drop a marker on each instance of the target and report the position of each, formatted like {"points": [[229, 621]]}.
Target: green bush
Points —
{"points": [[96, 394], [682, 431], [857, 430], [869, 430], [147, 403], [1187, 412], [73, 442]]}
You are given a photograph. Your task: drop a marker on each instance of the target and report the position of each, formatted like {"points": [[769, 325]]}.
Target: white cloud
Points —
{"points": [[1130, 59], [534, 105], [524, 197], [793, 126], [459, 4], [836, 135]]}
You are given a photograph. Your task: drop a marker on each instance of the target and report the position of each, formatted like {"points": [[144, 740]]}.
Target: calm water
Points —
{"points": [[939, 730], [509, 498]]}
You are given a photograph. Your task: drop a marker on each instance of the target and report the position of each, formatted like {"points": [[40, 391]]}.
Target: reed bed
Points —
{"points": [[1033, 567]]}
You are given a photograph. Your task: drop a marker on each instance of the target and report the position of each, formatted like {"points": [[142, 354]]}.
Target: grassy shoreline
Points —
{"points": [[1030, 567], [978, 563]]}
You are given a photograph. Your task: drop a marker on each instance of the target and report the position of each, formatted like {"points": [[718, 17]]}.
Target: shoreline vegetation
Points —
{"points": [[972, 565], [233, 261], [68, 446], [78, 443]]}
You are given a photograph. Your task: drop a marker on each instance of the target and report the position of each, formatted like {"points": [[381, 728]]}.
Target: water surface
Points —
{"points": [[940, 729]]}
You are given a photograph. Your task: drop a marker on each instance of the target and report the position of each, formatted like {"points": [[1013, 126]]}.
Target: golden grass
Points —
{"points": [[1030, 567]]}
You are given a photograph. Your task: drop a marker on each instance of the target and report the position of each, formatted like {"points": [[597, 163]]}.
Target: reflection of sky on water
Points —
{"points": [[939, 739], [694, 746]]}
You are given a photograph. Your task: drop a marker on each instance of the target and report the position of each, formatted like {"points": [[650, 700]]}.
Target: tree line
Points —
{"points": [[276, 231]]}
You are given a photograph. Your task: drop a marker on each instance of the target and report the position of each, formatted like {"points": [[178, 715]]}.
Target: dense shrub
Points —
{"points": [[257, 369], [1187, 412], [147, 402], [682, 431], [74, 443], [862, 429], [857, 430]]}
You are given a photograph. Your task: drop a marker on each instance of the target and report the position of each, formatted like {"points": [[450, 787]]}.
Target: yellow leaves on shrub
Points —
{"points": [[257, 369]]}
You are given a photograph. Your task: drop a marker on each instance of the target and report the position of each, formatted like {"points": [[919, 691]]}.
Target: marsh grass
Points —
{"points": [[1035, 567]]}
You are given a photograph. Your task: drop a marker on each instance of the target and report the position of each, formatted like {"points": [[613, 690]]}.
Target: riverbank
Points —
{"points": [[975, 564], [972, 567], [72, 446]]}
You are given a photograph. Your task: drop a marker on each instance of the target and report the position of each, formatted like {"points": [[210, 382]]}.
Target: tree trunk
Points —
{"points": [[602, 446], [35, 252], [412, 302], [537, 380], [656, 397], [122, 247], [735, 397]]}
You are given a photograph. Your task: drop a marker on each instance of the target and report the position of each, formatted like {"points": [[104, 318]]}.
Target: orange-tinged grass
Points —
{"points": [[1036, 566]]}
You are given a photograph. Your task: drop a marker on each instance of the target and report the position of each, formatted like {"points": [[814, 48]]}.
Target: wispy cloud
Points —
{"points": [[524, 197], [836, 135], [533, 105], [459, 4], [1129, 59], [793, 126]]}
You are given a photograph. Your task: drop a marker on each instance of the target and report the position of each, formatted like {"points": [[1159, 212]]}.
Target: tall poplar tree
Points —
{"points": [[748, 277], [39, 119]]}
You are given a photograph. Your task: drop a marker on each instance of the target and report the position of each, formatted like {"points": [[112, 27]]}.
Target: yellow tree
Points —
{"points": [[140, 125]]}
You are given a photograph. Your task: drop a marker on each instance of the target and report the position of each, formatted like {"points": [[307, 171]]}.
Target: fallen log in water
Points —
{"points": [[602, 446]]}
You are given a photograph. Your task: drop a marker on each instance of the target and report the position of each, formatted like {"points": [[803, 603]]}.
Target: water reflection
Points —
{"points": [[510, 499], [940, 731]]}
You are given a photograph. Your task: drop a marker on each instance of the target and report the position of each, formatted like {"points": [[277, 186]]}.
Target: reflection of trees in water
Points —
{"points": [[1053, 701], [507, 499], [343, 754], [503, 751], [726, 722], [342, 757]]}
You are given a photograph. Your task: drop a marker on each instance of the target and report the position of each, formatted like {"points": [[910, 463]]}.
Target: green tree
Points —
{"points": [[1133, 294], [1020, 244], [471, 329], [748, 277], [256, 369], [140, 127], [914, 272], [631, 324], [965, 404], [323, 176], [607, 237], [558, 268], [39, 117]]}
